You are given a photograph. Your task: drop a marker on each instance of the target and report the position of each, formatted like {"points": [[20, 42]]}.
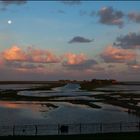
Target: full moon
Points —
{"points": [[9, 21]]}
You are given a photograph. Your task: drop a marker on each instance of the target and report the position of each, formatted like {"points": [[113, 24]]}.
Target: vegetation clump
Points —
{"points": [[94, 83]]}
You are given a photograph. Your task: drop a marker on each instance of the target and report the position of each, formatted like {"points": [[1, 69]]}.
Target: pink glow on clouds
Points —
{"points": [[112, 54], [136, 66], [42, 56], [26, 60], [15, 53], [38, 63], [73, 59]]}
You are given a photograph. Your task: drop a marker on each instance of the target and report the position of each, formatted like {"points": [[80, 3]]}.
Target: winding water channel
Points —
{"points": [[35, 112]]}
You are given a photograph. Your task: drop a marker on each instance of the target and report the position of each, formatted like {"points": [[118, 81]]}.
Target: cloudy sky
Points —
{"points": [[52, 40]]}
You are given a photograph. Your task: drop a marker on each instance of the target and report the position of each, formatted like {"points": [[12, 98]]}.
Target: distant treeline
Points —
{"points": [[98, 81]]}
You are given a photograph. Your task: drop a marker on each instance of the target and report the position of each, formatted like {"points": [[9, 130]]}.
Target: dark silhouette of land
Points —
{"points": [[108, 96], [126, 100], [108, 136]]}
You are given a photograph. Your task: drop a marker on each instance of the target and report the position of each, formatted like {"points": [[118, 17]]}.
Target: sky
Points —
{"points": [[76, 40]]}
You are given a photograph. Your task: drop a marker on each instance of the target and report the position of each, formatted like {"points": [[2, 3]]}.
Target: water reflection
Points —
{"points": [[35, 112], [68, 87], [122, 88], [38, 112], [109, 107]]}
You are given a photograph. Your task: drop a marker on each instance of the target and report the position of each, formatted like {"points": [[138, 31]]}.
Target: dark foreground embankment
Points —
{"points": [[108, 136]]}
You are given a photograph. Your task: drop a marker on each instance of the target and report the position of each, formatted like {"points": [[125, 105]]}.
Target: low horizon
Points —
{"points": [[35, 81], [70, 69], [74, 40]]}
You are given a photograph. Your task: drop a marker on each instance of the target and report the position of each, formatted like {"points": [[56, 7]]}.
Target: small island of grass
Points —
{"points": [[95, 83]]}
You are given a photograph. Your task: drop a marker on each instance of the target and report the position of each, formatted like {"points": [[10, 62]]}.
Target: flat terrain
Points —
{"points": [[127, 100], [86, 95], [108, 136]]}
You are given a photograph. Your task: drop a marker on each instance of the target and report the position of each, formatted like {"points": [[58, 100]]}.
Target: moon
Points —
{"points": [[9, 21]]}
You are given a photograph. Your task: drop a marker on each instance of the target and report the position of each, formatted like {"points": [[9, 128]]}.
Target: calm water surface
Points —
{"points": [[12, 112]]}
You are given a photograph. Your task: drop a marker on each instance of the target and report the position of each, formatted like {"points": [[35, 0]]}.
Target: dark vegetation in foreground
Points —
{"points": [[107, 136]]}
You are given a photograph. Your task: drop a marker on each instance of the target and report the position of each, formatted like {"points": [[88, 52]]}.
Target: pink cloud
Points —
{"points": [[112, 54], [42, 56], [135, 66], [15, 53], [78, 62], [72, 59], [110, 16]]}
